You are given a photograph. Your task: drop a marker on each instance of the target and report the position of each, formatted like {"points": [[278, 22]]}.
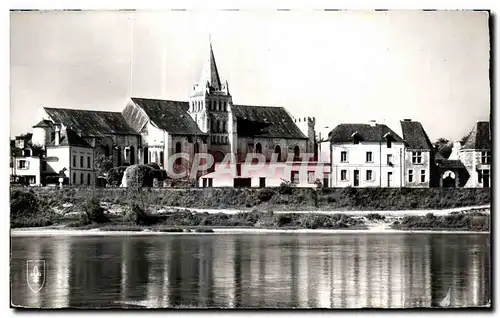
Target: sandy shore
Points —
{"points": [[393, 213]]}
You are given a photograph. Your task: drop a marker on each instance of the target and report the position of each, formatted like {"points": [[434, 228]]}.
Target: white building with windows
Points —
{"points": [[366, 155], [420, 155]]}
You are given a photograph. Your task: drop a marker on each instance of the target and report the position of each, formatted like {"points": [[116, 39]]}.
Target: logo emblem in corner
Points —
{"points": [[35, 274]]}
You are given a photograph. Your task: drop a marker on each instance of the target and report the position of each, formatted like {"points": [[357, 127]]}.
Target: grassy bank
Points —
{"points": [[91, 208], [284, 198], [29, 209], [473, 221]]}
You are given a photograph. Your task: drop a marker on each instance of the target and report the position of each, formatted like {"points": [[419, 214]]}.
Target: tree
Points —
{"points": [[102, 164], [444, 147], [464, 139]]}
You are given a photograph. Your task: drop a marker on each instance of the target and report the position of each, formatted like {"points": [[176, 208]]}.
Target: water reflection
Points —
{"points": [[279, 270]]}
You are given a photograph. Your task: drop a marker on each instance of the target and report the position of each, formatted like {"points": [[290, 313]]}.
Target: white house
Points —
{"points": [[366, 155]]}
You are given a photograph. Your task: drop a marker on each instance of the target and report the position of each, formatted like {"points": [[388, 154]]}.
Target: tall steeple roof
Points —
{"points": [[209, 73]]}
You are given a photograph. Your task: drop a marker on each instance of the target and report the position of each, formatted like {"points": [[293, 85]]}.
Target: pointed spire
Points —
{"points": [[209, 73]]}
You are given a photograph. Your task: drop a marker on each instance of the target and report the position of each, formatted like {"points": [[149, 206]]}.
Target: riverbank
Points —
{"points": [[278, 199], [31, 209]]}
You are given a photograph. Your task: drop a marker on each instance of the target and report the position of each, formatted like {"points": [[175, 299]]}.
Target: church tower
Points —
{"points": [[210, 106]]}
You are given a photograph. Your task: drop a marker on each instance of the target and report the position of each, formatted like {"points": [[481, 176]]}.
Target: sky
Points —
{"points": [[337, 66]]}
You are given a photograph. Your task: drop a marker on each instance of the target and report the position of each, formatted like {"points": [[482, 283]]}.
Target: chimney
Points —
{"points": [[57, 135], [372, 123], [407, 119]]}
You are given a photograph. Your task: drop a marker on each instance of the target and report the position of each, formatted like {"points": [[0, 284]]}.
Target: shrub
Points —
{"points": [[286, 187], [94, 211], [282, 219], [374, 216], [23, 204], [138, 176], [142, 217], [115, 175], [266, 194]]}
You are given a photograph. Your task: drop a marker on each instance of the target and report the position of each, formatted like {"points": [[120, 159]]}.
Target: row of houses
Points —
{"points": [[360, 155], [374, 155]]}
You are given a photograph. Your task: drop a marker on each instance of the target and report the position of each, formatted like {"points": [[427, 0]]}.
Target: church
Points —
{"points": [[152, 130], [210, 122]]}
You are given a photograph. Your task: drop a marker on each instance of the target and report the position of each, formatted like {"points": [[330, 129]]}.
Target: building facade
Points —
{"points": [[366, 155], [475, 155], [419, 156]]}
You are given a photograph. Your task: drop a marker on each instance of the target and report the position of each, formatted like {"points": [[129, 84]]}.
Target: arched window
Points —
{"points": [[258, 148], [296, 153], [221, 126], [277, 150], [88, 179], [81, 178], [106, 150], [74, 178], [132, 155], [178, 147]]}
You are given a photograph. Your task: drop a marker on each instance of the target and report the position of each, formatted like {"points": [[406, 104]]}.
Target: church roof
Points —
{"points": [[91, 122], [169, 115], [365, 132], [70, 138], [266, 121], [209, 73], [479, 138], [415, 136]]}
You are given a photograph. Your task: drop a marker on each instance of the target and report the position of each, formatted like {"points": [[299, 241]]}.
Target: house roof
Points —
{"points": [[70, 138], [169, 115], [365, 132], [43, 123], [479, 138], [91, 122], [266, 121], [450, 164], [415, 136]]}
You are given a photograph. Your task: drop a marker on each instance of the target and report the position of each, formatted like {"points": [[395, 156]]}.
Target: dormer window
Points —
{"points": [[388, 138], [355, 137]]}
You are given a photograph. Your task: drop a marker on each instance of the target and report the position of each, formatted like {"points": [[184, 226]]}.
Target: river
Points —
{"points": [[277, 270]]}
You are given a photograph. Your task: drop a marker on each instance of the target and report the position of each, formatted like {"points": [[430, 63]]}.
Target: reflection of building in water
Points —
{"points": [[124, 270], [155, 287], [59, 269], [205, 262], [166, 275], [324, 284], [223, 272], [303, 277]]}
